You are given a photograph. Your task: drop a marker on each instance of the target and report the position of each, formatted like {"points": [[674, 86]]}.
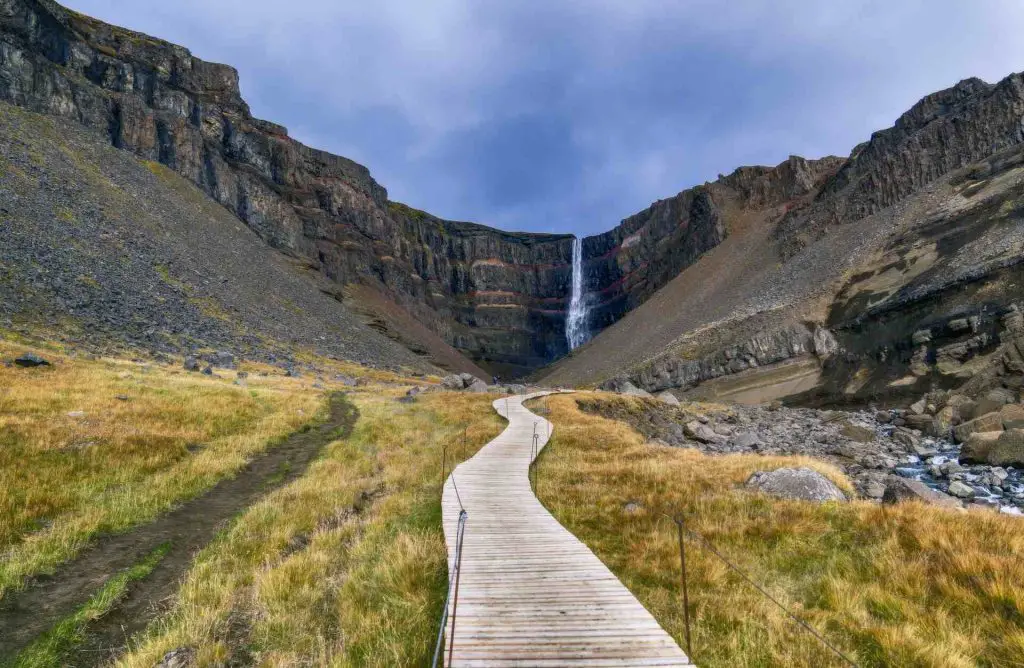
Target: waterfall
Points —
{"points": [[576, 333]]}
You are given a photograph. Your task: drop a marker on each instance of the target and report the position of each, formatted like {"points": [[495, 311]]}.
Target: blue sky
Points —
{"points": [[568, 115]]}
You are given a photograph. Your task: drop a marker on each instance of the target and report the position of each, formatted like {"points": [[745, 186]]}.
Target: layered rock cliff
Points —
{"points": [[904, 264], [497, 296], [632, 261]]}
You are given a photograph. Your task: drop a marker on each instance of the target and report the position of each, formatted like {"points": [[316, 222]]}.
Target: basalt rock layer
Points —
{"points": [[499, 297]]}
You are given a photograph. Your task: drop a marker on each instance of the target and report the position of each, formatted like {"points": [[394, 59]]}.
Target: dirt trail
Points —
{"points": [[188, 528]]}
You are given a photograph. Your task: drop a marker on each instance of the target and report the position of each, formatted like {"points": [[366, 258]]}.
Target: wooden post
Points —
{"points": [[686, 598]]}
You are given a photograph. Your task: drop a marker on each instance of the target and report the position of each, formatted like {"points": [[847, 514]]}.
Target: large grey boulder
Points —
{"points": [[462, 381], [478, 386], [453, 382], [802, 484], [904, 489]]}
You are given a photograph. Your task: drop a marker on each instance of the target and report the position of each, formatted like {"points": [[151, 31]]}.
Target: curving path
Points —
{"points": [[530, 593]]}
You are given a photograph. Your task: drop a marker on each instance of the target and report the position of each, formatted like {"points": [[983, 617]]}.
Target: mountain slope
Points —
{"points": [[496, 296], [99, 247], [905, 261]]}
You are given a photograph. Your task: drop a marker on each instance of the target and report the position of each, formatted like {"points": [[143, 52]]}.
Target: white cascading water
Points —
{"points": [[576, 320]]}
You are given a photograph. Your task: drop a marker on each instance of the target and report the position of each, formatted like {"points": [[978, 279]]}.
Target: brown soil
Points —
{"points": [[187, 529]]}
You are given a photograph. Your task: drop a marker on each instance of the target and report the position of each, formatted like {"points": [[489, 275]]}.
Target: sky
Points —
{"points": [[569, 115]]}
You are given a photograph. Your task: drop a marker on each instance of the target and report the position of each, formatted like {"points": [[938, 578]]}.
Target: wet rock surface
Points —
{"points": [[879, 450]]}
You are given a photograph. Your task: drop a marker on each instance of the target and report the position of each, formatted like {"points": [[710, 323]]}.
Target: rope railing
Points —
{"points": [[706, 544], [451, 601]]}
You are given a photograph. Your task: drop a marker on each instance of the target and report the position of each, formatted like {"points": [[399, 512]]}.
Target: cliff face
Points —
{"points": [[943, 132], [629, 263], [898, 273], [499, 297]]}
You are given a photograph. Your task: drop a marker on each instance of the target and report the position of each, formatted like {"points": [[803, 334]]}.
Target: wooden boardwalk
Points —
{"points": [[530, 593]]}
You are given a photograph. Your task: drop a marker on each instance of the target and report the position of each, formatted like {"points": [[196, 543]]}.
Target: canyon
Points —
{"points": [[827, 280]]}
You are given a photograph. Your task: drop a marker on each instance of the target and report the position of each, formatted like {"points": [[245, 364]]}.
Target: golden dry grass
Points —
{"points": [[346, 565], [76, 460], [905, 585]]}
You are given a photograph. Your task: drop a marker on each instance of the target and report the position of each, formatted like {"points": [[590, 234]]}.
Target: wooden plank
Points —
{"points": [[530, 593]]}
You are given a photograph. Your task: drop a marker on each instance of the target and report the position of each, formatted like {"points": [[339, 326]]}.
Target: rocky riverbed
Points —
{"points": [[870, 446]]}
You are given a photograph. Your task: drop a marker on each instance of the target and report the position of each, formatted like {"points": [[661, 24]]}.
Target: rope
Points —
{"points": [[810, 629], [461, 532]]}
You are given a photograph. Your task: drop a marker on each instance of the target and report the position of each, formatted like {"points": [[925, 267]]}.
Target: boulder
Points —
{"points": [[746, 440], [631, 390], [667, 397], [874, 489], [988, 422], [30, 360], [995, 448], [1002, 394], [856, 432], [924, 423], [1012, 416], [453, 382], [918, 407], [800, 483], [961, 490], [698, 431], [904, 489], [478, 386]]}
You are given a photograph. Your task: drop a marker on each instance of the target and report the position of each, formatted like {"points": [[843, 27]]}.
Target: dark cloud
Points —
{"points": [[568, 115]]}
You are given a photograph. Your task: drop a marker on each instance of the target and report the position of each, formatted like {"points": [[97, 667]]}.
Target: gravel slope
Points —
{"points": [[103, 248]]}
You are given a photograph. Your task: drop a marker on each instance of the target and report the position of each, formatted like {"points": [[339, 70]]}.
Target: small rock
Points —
{"points": [[208, 371], [122, 397], [883, 417], [182, 657], [76, 414], [191, 364], [918, 407], [632, 508]]}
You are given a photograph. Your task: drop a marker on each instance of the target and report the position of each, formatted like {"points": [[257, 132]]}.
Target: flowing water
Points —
{"points": [[576, 332]]}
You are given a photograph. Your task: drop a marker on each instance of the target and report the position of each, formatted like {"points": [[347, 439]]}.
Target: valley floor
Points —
{"points": [[902, 585], [153, 516]]}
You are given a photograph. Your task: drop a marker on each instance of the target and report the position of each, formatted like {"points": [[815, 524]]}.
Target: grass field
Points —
{"points": [[93, 446], [905, 585], [345, 566]]}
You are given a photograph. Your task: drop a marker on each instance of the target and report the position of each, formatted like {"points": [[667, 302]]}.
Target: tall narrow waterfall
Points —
{"points": [[576, 332]]}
